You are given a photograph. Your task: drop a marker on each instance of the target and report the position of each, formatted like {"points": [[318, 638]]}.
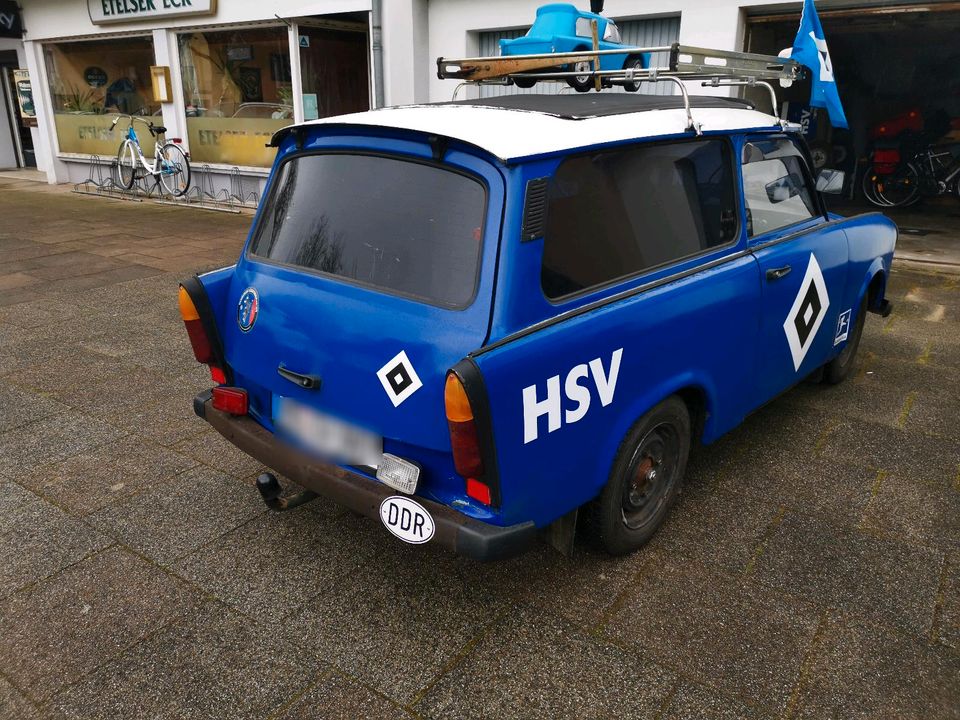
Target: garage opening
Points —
{"points": [[898, 73]]}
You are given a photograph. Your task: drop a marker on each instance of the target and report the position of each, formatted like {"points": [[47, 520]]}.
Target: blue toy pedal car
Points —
{"points": [[474, 319], [561, 28]]}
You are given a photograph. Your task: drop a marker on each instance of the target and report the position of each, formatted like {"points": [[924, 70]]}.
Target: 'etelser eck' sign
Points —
{"points": [[113, 11]]}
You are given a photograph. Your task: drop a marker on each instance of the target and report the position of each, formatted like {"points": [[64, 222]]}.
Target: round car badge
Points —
{"points": [[247, 309]]}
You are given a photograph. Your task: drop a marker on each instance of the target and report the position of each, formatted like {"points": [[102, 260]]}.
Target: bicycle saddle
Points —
{"points": [[158, 129]]}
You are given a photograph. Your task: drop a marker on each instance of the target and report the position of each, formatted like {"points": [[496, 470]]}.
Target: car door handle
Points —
{"points": [[308, 382], [777, 273]]}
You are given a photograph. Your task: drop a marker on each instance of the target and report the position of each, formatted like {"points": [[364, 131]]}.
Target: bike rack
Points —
{"points": [[101, 182]]}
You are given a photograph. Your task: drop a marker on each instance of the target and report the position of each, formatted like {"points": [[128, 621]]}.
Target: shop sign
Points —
{"points": [[114, 11], [11, 25], [28, 113]]}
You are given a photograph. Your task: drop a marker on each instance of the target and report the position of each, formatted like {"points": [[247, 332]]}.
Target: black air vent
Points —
{"points": [[535, 210]]}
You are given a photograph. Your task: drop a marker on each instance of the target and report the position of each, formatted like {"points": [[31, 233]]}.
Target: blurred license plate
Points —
{"points": [[326, 435]]}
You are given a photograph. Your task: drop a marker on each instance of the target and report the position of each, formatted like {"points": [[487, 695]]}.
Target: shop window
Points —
{"points": [[93, 80], [237, 91], [334, 72]]}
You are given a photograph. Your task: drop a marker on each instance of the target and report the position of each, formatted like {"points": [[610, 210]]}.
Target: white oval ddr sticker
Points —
{"points": [[406, 519]]}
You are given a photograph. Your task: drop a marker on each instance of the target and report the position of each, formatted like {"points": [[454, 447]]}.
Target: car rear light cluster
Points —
{"points": [[200, 340], [465, 440]]}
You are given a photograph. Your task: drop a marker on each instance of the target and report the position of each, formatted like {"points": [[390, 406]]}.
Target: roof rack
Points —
{"points": [[714, 68]]}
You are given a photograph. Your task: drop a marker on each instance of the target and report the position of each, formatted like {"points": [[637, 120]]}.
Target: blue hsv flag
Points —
{"points": [[810, 49]]}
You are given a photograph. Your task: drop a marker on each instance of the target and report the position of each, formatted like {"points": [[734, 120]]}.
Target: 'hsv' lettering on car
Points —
{"points": [[604, 380]]}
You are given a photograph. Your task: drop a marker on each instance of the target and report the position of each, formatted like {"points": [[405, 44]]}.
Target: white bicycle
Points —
{"points": [[170, 167]]}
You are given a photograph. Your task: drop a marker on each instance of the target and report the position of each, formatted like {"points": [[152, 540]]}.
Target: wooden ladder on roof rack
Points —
{"points": [[714, 68]]}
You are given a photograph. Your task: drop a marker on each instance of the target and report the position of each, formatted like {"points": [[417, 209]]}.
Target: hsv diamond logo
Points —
{"points": [[247, 309], [399, 379], [806, 315]]}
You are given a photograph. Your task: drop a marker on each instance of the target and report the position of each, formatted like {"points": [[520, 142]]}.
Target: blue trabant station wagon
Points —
{"points": [[475, 321]]}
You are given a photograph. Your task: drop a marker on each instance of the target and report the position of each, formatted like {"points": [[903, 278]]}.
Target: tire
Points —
{"points": [[525, 83], [837, 370], [868, 185], [635, 62], [901, 188], [126, 165], [175, 173], [644, 480], [581, 83]]}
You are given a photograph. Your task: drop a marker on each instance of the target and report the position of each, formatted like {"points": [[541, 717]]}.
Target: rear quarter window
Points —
{"points": [[617, 213], [404, 227]]}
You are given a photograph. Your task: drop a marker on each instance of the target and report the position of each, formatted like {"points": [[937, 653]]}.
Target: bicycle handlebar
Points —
{"points": [[133, 119]]}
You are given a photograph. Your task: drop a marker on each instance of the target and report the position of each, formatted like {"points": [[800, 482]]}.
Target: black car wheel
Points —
{"points": [[837, 370], [581, 83], [635, 62], [644, 480]]}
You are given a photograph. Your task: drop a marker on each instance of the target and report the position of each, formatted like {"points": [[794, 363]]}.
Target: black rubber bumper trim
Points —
{"points": [[200, 403], [453, 530]]}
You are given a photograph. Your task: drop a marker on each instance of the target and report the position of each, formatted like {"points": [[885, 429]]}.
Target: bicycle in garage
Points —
{"points": [[889, 182], [170, 167]]}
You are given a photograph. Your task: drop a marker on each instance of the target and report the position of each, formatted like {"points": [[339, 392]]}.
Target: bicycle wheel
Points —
{"points": [[869, 183], [174, 169], [126, 164], [902, 187]]}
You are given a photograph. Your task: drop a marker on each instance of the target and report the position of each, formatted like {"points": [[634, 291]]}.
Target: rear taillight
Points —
{"points": [[464, 440], [230, 400], [206, 349], [202, 350]]}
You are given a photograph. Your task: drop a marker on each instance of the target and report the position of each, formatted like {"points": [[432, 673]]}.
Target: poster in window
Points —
{"points": [[250, 87], [28, 113]]}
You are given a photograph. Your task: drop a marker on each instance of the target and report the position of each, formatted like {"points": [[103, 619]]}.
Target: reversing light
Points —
{"points": [[230, 400], [398, 473]]}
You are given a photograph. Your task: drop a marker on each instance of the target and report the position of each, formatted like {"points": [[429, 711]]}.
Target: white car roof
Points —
{"points": [[516, 127]]}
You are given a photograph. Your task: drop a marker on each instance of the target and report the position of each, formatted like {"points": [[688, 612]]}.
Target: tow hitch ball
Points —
{"points": [[270, 491]]}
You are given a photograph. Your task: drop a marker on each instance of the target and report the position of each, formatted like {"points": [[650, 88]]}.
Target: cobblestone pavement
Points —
{"points": [[810, 570]]}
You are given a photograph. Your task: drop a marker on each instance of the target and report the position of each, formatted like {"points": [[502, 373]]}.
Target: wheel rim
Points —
{"points": [[175, 173], [127, 165], [582, 66], [898, 188], [650, 475]]}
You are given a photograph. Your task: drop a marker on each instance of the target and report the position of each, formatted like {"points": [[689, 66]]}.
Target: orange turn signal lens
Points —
{"points": [[455, 400], [188, 311]]}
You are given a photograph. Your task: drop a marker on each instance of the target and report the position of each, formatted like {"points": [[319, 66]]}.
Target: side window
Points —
{"points": [[611, 33], [583, 28], [616, 213], [775, 186]]}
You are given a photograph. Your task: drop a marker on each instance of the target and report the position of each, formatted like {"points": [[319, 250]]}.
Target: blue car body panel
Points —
{"points": [[584, 369], [555, 31]]}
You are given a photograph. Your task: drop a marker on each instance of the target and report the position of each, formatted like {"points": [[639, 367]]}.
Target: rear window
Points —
{"points": [[617, 213], [404, 227]]}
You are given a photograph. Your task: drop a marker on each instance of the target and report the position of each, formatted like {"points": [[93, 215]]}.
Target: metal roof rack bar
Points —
{"points": [[685, 62]]}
